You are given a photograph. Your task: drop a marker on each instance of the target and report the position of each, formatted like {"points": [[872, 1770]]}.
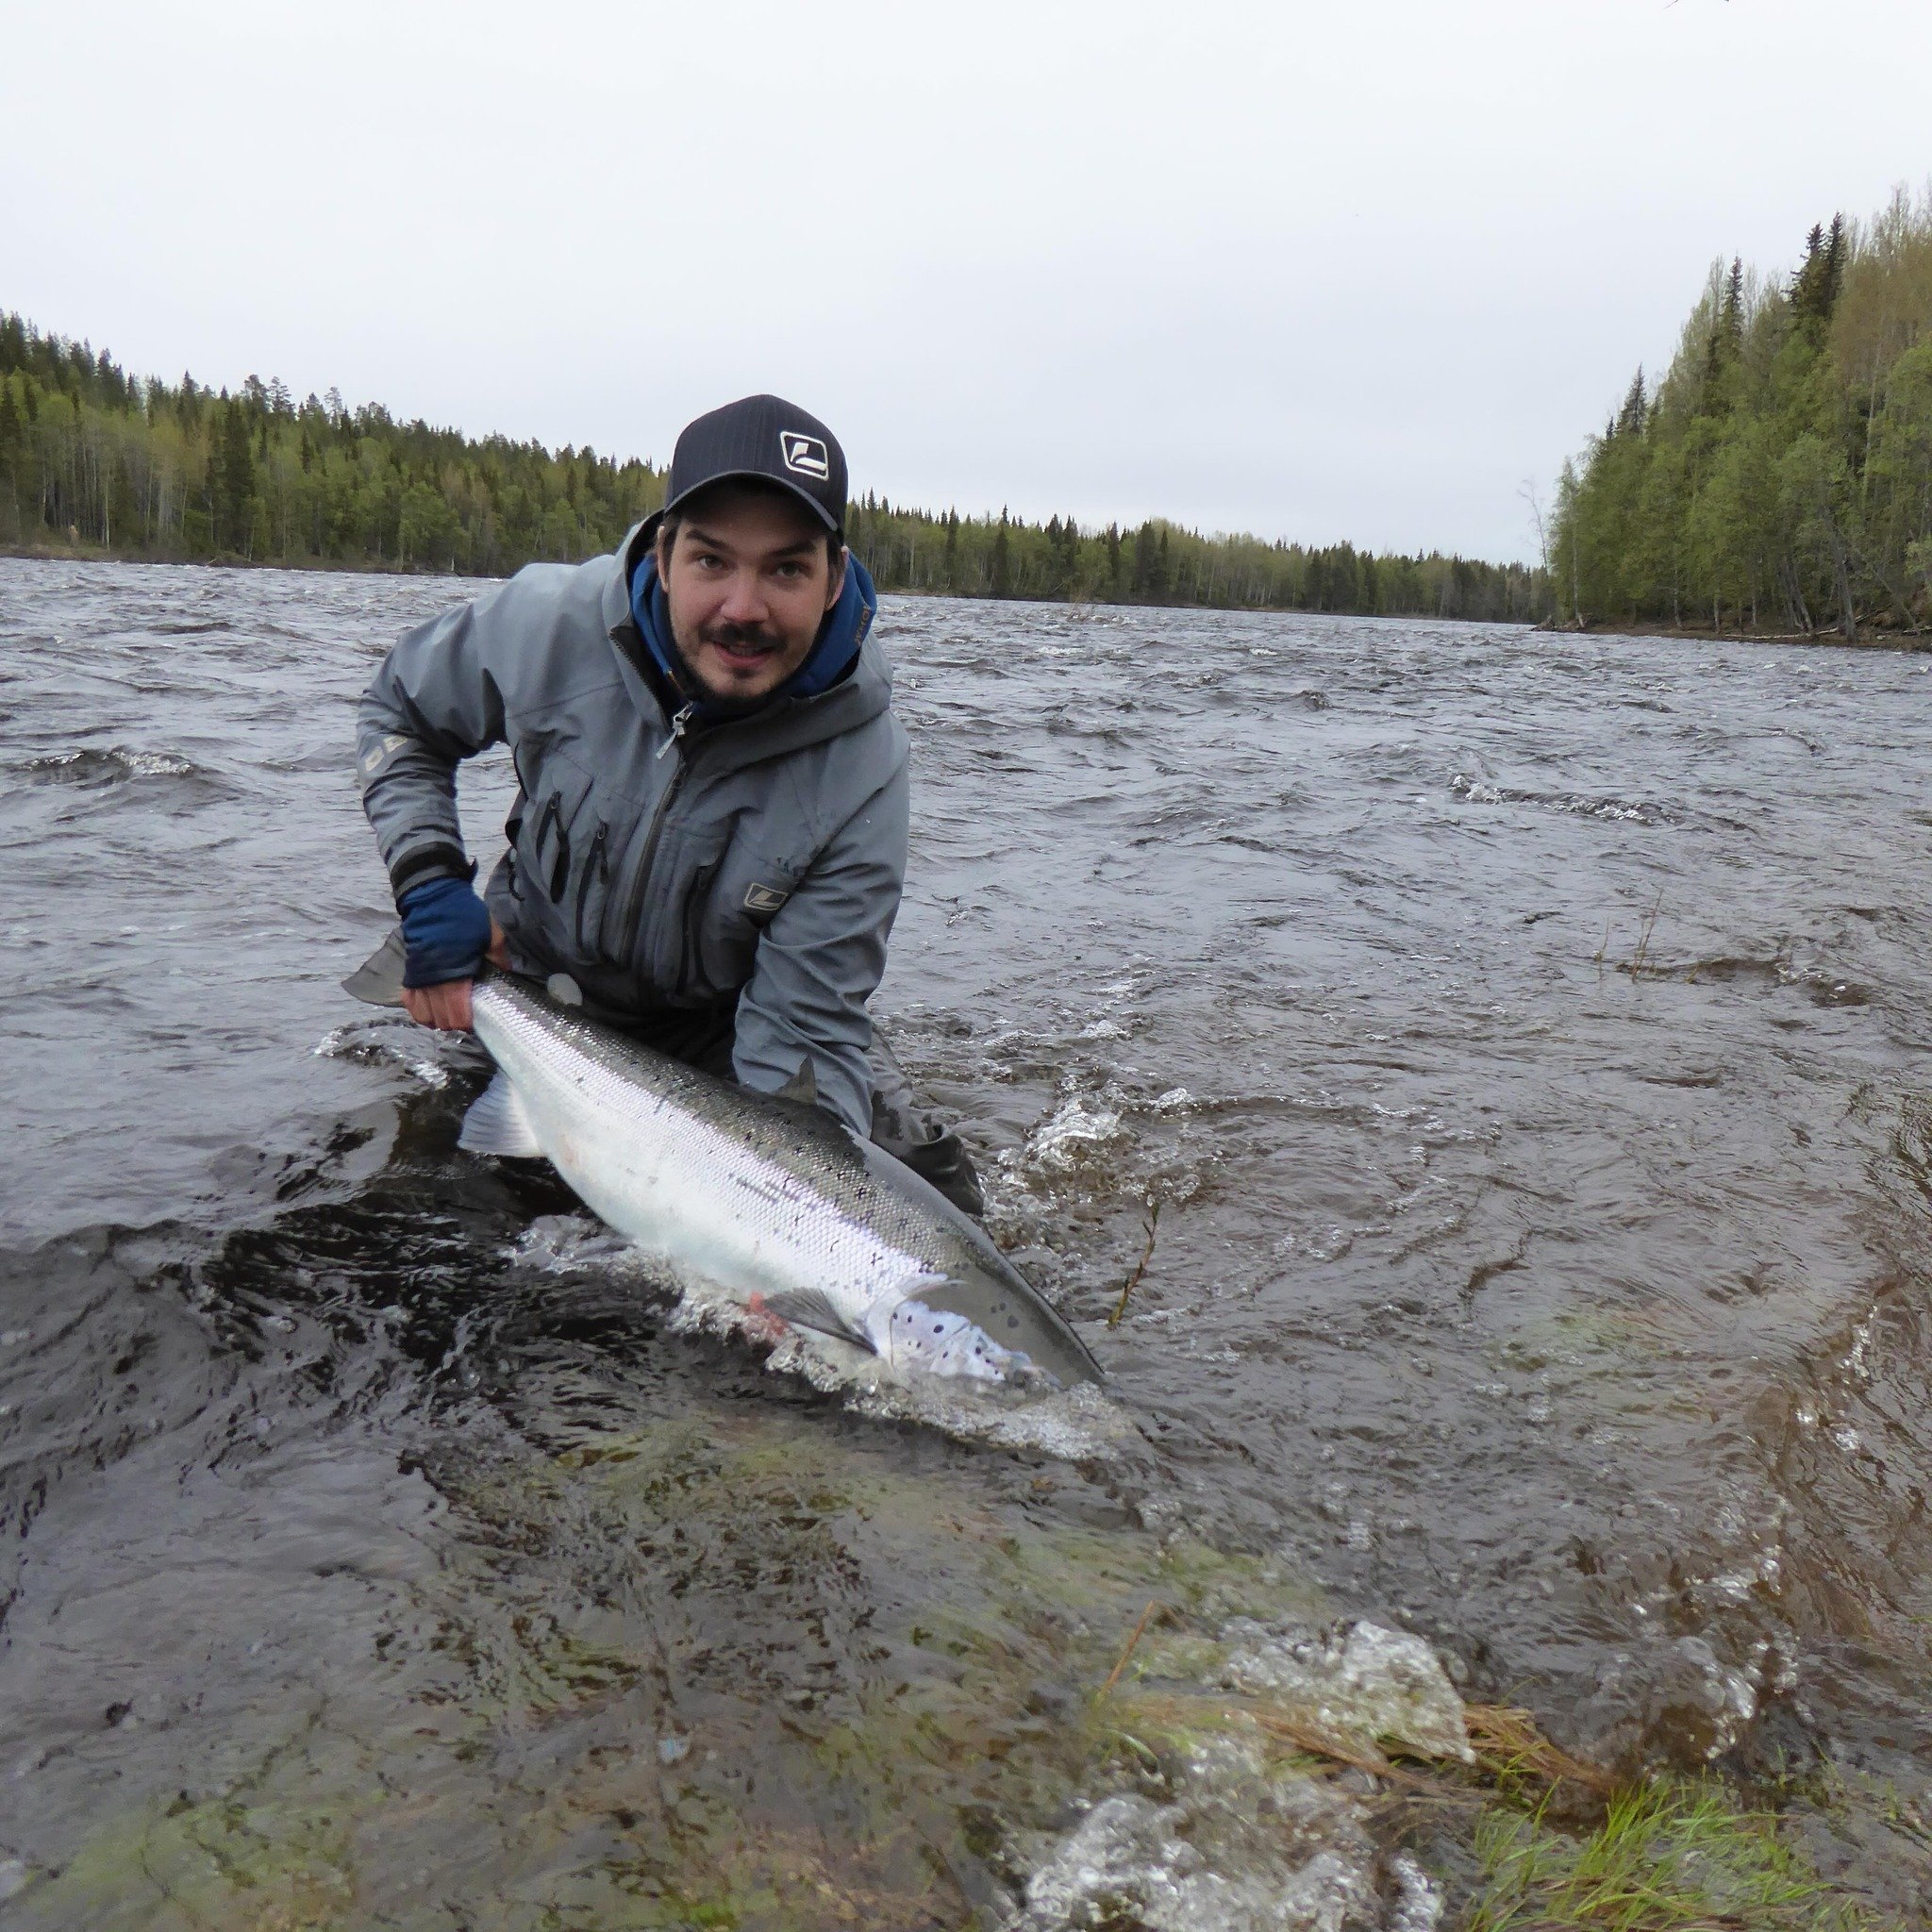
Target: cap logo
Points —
{"points": [[804, 456]]}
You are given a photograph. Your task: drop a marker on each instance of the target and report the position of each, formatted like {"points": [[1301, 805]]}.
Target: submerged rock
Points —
{"points": [[1236, 1848], [1360, 1683], [1234, 1839]]}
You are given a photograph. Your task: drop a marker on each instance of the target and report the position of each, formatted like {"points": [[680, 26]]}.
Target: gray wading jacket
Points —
{"points": [[756, 863]]}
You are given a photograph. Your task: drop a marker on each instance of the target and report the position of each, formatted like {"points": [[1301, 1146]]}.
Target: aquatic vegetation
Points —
{"points": [[249, 1860], [1669, 1857]]}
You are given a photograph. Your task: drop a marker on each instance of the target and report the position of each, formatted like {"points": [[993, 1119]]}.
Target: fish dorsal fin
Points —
{"points": [[379, 978], [812, 1308], [497, 1124], [802, 1086]]}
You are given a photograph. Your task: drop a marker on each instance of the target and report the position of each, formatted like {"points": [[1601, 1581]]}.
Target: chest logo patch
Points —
{"points": [[764, 898]]}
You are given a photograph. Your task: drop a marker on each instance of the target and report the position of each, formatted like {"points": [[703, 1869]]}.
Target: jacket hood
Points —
{"points": [[833, 651]]}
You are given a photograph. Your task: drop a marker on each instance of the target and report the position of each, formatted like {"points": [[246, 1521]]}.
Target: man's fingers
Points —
{"points": [[446, 1007], [498, 954], [451, 1005]]}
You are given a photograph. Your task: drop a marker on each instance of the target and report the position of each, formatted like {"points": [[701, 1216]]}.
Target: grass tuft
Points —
{"points": [[1669, 1857]]}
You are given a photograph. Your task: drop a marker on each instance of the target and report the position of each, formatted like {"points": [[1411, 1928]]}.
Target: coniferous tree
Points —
{"points": [[235, 482], [1781, 470]]}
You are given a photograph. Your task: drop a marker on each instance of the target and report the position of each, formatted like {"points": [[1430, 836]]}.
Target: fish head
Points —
{"points": [[919, 1340], [994, 1320]]}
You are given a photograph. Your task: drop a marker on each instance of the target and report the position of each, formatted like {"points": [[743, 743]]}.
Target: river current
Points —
{"points": [[1508, 1054]]}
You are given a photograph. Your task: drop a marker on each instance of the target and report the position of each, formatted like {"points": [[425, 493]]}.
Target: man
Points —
{"points": [[710, 832]]}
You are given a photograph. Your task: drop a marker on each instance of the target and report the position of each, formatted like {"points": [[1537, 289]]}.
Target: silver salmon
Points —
{"points": [[765, 1197]]}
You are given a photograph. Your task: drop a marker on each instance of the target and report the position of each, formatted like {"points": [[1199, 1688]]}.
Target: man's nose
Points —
{"points": [[744, 599]]}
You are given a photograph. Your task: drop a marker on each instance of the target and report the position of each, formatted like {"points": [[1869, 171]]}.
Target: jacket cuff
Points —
{"points": [[439, 861]]}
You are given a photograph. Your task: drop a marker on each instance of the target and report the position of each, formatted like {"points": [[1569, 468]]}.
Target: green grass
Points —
{"points": [[1668, 1857]]}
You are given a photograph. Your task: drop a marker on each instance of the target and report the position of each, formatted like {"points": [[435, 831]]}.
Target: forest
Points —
{"points": [[1777, 476], [95, 461]]}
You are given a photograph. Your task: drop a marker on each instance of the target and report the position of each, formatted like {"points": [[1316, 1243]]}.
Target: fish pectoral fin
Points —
{"points": [[497, 1124], [811, 1307], [379, 978]]}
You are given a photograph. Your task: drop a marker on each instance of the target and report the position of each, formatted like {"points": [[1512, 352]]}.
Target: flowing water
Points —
{"points": [[1522, 1040]]}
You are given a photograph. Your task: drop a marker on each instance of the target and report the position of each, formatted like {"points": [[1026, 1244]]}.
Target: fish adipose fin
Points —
{"points": [[378, 981], [497, 1123], [802, 1086], [811, 1307]]}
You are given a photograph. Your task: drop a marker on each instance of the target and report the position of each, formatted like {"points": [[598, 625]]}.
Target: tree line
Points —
{"points": [[94, 460], [1779, 472]]}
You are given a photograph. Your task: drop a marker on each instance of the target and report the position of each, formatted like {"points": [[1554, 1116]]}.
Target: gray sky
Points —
{"points": [[1353, 269]]}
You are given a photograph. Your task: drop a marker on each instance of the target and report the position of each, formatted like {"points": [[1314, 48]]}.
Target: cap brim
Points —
{"points": [[764, 477]]}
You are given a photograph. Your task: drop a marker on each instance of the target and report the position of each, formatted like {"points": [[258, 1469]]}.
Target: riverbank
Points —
{"points": [[1867, 637], [346, 566], [84, 553]]}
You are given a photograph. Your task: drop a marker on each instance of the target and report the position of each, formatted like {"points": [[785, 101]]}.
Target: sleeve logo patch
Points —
{"points": [[804, 456], [764, 898], [379, 755]]}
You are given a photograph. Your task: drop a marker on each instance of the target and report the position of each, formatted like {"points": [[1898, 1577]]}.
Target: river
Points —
{"points": [[1522, 1038]]}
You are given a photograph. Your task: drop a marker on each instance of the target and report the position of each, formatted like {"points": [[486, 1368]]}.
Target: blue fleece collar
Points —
{"points": [[829, 659]]}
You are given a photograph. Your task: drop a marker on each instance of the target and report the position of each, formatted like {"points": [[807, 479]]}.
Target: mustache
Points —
{"points": [[740, 637]]}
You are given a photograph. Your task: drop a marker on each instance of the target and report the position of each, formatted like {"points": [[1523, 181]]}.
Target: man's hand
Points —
{"points": [[447, 1007], [448, 933]]}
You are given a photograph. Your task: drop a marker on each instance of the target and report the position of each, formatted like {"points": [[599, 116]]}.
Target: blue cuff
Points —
{"points": [[445, 932]]}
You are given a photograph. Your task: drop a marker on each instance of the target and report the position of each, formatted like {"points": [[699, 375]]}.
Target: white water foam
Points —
{"points": [[1073, 1131], [362, 1042]]}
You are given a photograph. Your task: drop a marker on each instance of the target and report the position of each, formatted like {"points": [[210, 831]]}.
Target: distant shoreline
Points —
{"points": [[1869, 638], [46, 553], [92, 553]]}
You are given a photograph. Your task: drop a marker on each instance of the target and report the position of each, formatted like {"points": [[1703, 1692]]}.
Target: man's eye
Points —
{"points": [[794, 571], [705, 560]]}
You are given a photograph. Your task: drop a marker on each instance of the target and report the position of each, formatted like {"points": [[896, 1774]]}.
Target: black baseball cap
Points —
{"points": [[767, 438]]}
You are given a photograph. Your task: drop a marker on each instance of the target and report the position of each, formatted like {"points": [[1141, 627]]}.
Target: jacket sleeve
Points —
{"points": [[820, 960], [435, 702]]}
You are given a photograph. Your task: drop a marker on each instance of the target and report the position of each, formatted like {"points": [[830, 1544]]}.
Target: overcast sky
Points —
{"points": [[1355, 270]]}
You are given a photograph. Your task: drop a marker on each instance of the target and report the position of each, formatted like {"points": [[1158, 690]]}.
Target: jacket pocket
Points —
{"points": [[690, 964]]}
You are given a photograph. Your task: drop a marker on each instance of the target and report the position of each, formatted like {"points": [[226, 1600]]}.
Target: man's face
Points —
{"points": [[748, 583]]}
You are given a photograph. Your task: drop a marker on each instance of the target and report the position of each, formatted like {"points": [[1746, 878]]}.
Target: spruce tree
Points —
{"points": [[233, 488]]}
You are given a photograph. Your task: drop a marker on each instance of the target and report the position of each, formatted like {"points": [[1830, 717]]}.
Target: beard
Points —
{"points": [[725, 703]]}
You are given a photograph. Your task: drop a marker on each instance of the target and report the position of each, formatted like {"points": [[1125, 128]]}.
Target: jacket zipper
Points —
{"points": [[559, 869], [689, 962], [635, 904], [599, 862]]}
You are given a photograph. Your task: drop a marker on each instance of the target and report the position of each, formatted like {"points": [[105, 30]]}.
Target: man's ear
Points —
{"points": [[661, 546], [835, 589]]}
